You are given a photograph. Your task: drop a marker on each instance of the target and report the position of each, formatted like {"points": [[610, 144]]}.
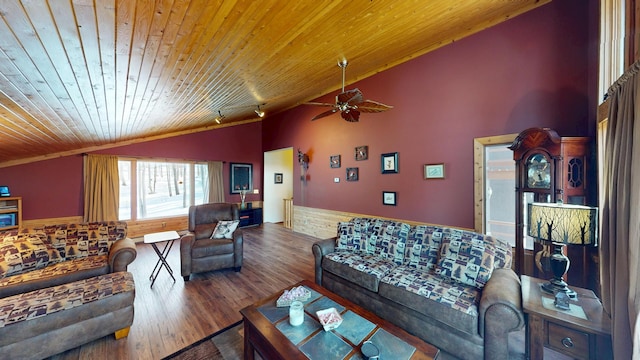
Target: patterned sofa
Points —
{"points": [[64, 285], [451, 287]]}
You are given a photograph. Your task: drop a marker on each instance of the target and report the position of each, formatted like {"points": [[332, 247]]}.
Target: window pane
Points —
{"points": [[201, 187], [124, 170], [500, 180], [163, 189]]}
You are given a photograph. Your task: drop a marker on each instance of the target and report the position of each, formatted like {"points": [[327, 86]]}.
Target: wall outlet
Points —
{"points": [[164, 224], [256, 191], [336, 180]]}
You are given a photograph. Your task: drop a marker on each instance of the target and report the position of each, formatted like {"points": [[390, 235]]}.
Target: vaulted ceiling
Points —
{"points": [[77, 75]]}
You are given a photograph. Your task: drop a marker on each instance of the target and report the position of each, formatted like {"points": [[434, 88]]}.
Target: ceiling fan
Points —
{"points": [[350, 103]]}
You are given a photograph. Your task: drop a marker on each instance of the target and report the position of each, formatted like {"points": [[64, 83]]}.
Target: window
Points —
{"points": [[155, 189]]}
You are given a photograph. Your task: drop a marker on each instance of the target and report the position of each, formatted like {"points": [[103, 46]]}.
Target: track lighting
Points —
{"points": [[259, 112], [219, 117]]}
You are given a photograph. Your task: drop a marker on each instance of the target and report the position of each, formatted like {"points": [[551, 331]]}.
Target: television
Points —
{"points": [[8, 219]]}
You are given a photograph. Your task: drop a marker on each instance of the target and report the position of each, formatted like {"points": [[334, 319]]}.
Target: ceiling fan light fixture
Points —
{"points": [[259, 112]]}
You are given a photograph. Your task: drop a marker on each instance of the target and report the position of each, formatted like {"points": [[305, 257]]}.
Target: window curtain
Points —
{"points": [[620, 215], [216, 181], [101, 188]]}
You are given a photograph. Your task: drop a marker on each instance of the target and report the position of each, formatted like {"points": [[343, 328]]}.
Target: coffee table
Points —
{"points": [[268, 333]]}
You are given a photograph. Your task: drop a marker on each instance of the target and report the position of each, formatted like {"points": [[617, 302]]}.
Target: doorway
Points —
{"points": [[278, 183]]}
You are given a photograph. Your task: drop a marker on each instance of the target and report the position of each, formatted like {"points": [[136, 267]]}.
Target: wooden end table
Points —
{"points": [[266, 336], [584, 332]]}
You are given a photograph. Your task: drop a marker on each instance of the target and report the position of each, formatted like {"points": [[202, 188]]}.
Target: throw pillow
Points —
{"points": [[224, 229], [349, 237], [469, 261]]}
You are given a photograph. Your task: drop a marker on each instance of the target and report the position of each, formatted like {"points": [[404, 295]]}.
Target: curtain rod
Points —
{"points": [[151, 158]]}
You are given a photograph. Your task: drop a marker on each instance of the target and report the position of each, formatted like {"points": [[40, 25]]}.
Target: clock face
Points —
{"points": [[538, 172]]}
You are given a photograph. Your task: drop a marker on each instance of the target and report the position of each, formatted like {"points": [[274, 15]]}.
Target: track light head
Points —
{"points": [[259, 112]]}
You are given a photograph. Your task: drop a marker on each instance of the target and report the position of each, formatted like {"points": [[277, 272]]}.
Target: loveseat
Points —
{"points": [[64, 285], [451, 287]]}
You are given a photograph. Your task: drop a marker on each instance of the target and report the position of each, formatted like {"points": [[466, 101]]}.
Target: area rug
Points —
{"points": [[226, 344]]}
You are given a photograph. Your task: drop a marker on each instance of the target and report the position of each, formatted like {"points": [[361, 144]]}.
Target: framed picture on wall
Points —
{"points": [[389, 163], [334, 161], [352, 174], [241, 177], [434, 171], [389, 198], [362, 153], [277, 178]]}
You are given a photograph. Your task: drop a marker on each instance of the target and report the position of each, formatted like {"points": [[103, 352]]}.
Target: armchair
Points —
{"points": [[199, 252]]}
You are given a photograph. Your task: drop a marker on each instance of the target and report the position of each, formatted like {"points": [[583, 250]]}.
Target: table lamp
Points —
{"points": [[562, 224]]}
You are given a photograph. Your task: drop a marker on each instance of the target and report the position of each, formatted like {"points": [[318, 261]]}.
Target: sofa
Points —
{"points": [[213, 241], [64, 285], [451, 287]]}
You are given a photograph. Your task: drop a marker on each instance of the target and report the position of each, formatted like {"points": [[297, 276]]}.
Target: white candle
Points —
{"points": [[296, 313]]}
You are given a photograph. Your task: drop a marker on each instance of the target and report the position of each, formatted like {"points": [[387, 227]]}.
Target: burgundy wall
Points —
{"points": [[53, 188], [533, 70]]}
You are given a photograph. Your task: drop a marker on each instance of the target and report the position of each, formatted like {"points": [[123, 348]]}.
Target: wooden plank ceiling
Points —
{"points": [[77, 75]]}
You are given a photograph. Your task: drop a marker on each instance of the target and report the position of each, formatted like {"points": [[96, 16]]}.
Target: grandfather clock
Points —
{"points": [[550, 168]]}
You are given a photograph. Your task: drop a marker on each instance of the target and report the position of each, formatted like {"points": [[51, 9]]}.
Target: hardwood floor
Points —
{"points": [[173, 315]]}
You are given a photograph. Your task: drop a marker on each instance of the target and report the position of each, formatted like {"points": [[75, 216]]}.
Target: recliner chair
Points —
{"points": [[199, 252]]}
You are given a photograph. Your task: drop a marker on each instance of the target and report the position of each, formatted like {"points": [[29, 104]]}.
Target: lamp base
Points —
{"points": [[554, 286]]}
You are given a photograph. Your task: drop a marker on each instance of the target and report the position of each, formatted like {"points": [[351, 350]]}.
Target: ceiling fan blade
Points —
{"points": [[319, 104], [351, 115], [326, 113], [350, 97], [370, 106]]}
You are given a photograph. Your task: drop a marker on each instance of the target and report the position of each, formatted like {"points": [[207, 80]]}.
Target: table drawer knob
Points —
{"points": [[567, 342]]}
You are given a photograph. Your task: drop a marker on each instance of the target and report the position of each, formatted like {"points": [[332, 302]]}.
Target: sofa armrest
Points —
{"points": [[320, 249], [186, 243], [121, 254], [500, 312], [237, 248]]}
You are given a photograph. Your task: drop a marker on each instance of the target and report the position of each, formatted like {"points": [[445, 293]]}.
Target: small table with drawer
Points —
{"points": [[583, 332]]}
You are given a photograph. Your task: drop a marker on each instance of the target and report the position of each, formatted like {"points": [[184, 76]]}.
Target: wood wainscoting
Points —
{"points": [[323, 223], [135, 229]]}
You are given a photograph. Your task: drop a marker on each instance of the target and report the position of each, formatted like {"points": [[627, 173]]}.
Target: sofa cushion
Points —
{"points": [[350, 237], [387, 239], [21, 253], [204, 248], [358, 267], [427, 293], [470, 257], [54, 274], [38, 303], [423, 246]]}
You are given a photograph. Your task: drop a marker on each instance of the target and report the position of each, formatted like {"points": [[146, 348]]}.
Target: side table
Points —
{"points": [[154, 239], [583, 332]]}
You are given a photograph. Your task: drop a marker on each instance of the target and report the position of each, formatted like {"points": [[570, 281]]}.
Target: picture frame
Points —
{"points": [[362, 153], [334, 161], [352, 174], [389, 198], [434, 171], [277, 178], [389, 163], [241, 177]]}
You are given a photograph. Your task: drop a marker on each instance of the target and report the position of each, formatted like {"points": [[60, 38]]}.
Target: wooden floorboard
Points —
{"points": [[173, 315]]}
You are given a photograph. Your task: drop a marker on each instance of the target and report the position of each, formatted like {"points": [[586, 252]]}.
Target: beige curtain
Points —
{"points": [[216, 181], [620, 215], [101, 188]]}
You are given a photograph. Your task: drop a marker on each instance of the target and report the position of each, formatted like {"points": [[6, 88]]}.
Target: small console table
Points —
{"points": [[250, 217], [583, 332]]}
